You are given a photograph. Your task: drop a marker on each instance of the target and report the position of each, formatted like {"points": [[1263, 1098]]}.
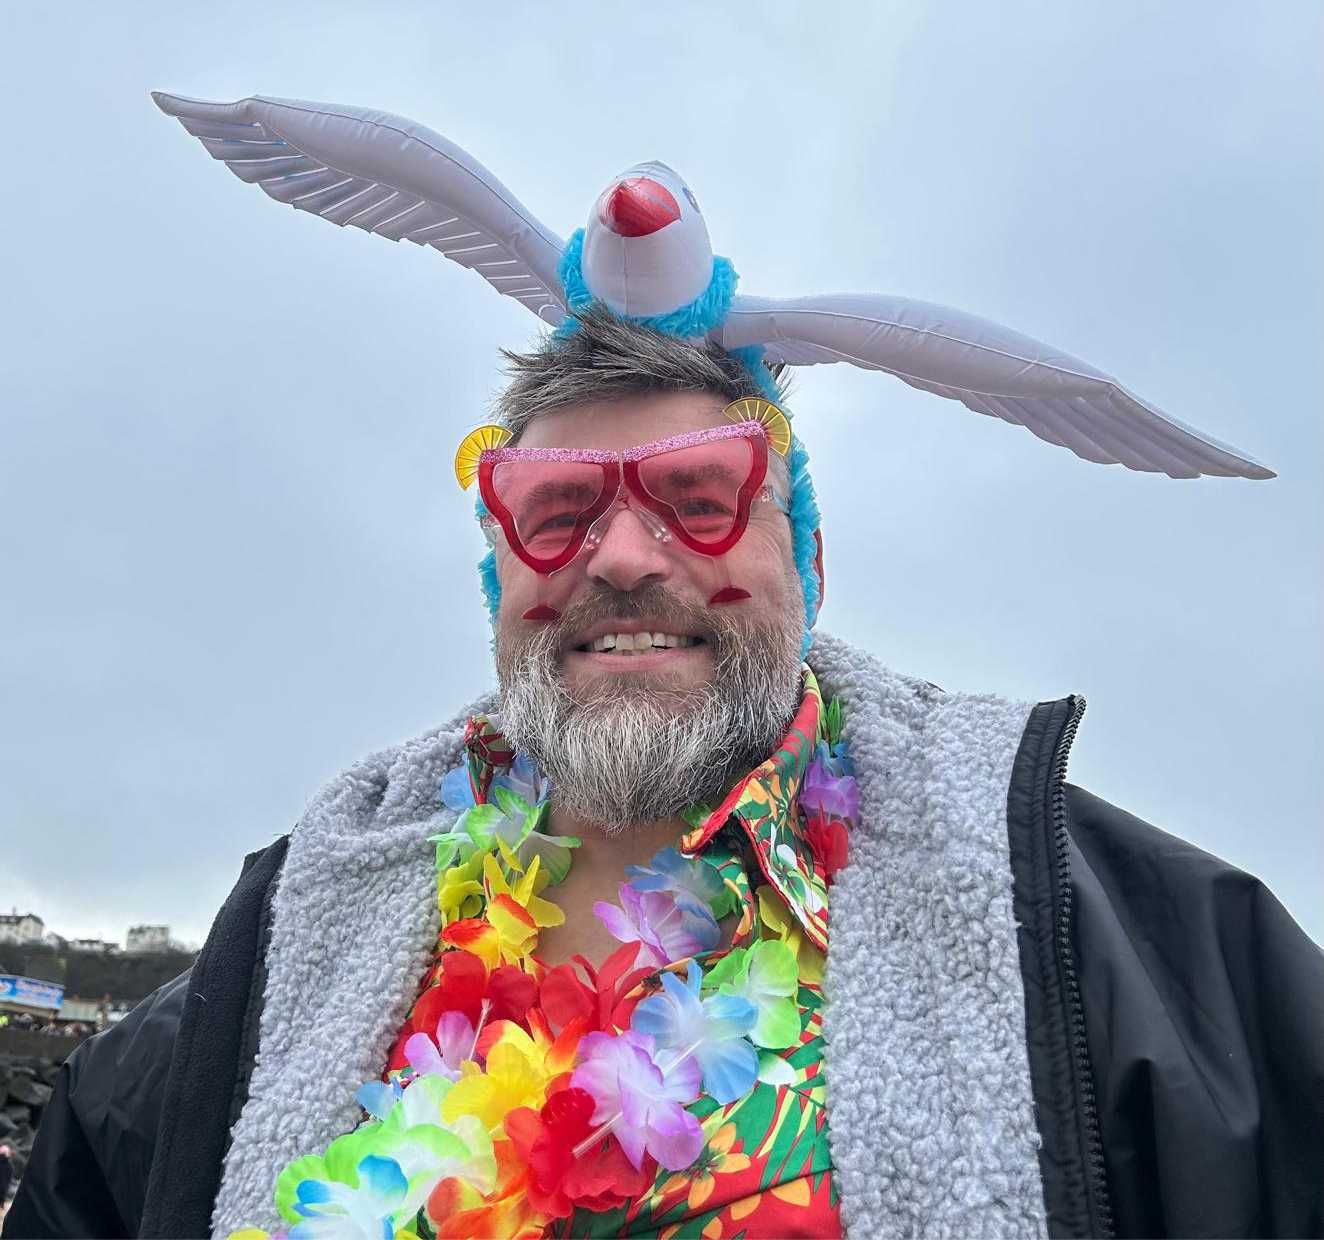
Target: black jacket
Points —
{"points": [[1174, 1022]]}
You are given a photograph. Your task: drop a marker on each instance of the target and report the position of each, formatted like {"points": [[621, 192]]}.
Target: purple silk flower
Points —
{"points": [[670, 926], [647, 1108], [824, 790], [454, 1044]]}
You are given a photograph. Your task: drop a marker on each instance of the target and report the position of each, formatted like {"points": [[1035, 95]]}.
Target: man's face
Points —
{"points": [[631, 561], [689, 713]]}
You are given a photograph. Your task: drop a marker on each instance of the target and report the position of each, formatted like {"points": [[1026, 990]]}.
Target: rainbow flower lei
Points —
{"points": [[527, 1093]]}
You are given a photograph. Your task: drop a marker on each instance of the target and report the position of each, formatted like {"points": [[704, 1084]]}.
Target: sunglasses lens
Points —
{"points": [[700, 486], [551, 501]]}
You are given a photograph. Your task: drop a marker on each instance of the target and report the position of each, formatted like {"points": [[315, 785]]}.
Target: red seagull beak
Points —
{"points": [[637, 207]]}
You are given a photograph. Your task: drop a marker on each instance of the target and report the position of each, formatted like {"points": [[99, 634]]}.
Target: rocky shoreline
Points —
{"points": [[26, 1084]]}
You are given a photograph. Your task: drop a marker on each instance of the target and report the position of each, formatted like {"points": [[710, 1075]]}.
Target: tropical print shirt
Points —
{"points": [[776, 839]]}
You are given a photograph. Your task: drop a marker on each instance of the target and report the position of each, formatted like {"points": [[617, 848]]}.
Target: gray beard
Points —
{"points": [[627, 754]]}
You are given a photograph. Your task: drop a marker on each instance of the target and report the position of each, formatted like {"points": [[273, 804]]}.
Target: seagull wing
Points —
{"points": [[989, 369], [386, 175]]}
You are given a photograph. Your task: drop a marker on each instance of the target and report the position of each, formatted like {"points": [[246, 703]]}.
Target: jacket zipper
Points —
{"points": [[1095, 1168]]}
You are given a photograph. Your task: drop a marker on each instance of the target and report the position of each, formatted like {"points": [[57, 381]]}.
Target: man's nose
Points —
{"points": [[624, 552]]}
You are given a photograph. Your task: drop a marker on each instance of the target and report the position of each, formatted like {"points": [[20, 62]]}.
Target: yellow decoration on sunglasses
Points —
{"points": [[472, 446], [755, 409]]}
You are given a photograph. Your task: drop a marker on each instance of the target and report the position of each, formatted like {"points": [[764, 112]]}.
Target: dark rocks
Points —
{"points": [[27, 1090], [26, 1083]]}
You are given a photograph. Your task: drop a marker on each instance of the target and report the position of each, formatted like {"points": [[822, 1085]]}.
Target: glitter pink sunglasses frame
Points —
{"points": [[622, 480]]}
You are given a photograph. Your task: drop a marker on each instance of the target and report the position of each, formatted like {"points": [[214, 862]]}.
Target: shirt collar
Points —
{"points": [[761, 804]]}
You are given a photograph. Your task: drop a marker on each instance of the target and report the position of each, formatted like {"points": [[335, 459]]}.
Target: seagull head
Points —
{"points": [[646, 247]]}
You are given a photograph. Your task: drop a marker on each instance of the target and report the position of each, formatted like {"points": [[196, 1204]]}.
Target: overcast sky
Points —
{"points": [[233, 558]]}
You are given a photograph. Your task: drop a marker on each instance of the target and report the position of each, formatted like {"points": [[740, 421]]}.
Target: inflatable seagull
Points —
{"points": [[645, 253]]}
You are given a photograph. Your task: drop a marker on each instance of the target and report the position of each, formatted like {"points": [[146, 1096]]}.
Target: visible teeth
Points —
{"points": [[631, 643]]}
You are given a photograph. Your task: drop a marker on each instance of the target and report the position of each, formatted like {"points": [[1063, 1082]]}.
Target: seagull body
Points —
{"points": [[646, 247], [646, 254]]}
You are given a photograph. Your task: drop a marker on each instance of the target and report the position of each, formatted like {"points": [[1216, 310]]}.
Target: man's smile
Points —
{"points": [[634, 644]]}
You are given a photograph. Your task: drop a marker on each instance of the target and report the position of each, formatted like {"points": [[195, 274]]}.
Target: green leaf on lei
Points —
{"points": [[453, 848], [728, 971], [554, 851], [339, 1163], [513, 822], [765, 975], [480, 824], [774, 1070], [345, 1153], [832, 722], [511, 803], [428, 1153], [728, 901], [309, 1167]]}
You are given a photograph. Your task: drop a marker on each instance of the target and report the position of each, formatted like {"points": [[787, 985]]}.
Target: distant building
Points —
{"points": [[19, 927], [100, 946], [91, 1011], [147, 939]]}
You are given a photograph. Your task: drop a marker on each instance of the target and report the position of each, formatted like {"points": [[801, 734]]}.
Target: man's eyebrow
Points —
{"points": [[688, 475], [561, 490]]}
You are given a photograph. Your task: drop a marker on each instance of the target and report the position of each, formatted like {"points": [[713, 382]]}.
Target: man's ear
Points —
{"points": [[818, 569]]}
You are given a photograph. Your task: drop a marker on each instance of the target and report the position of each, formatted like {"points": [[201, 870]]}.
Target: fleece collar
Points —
{"points": [[929, 1100]]}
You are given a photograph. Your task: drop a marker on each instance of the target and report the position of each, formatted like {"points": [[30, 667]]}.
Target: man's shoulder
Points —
{"points": [[132, 1055], [860, 677], [1150, 905], [1203, 1007], [1146, 869], [384, 789], [92, 1158]]}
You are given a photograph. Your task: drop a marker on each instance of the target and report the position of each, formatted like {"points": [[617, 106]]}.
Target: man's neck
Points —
{"points": [[596, 872]]}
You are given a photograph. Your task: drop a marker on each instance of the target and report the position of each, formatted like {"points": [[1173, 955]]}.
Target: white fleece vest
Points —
{"points": [[928, 1087]]}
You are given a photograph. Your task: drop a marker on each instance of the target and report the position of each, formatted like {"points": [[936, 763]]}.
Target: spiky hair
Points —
{"points": [[605, 356]]}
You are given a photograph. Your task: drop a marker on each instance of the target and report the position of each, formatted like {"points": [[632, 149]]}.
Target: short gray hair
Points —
{"points": [[607, 356]]}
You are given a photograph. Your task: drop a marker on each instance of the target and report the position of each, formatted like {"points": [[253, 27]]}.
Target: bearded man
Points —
{"points": [[1041, 1013], [706, 923]]}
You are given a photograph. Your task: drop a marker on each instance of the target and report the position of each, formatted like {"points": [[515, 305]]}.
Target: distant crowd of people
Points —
{"points": [[34, 1024]]}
